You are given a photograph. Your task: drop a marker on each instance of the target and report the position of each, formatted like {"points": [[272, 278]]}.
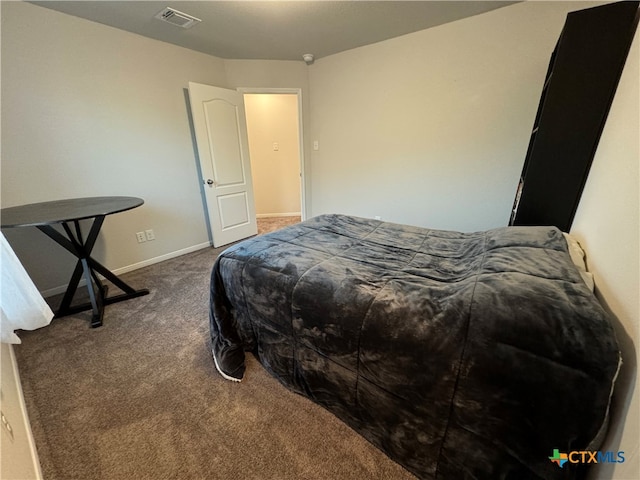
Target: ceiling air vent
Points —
{"points": [[174, 17]]}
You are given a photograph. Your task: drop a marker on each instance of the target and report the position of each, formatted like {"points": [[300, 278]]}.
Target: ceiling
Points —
{"points": [[275, 30]]}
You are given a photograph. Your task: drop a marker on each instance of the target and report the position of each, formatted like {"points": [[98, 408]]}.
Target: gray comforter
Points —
{"points": [[460, 355]]}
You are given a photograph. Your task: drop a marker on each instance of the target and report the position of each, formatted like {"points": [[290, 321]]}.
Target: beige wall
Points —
{"points": [[92, 110], [273, 119], [432, 128], [607, 224]]}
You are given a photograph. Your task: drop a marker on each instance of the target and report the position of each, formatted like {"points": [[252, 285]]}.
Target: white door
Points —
{"points": [[221, 136]]}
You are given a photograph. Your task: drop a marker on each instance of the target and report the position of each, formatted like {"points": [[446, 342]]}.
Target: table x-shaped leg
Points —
{"points": [[88, 266]]}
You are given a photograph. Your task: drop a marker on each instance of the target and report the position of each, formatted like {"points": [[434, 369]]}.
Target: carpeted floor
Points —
{"points": [[139, 397], [268, 224]]}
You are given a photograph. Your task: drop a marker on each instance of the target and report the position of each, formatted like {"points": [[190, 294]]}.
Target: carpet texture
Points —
{"points": [[139, 397]]}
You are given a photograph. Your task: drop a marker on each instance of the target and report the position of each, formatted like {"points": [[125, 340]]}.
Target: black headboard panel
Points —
{"points": [[582, 78]]}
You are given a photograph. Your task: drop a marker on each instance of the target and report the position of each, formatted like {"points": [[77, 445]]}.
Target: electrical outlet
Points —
{"points": [[150, 235], [141, 237]]}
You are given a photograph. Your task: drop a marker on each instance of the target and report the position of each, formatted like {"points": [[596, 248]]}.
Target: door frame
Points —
{"points": [[303, 177]]}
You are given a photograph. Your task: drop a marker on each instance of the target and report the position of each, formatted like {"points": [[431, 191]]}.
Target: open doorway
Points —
{"points": [[274, 131]]}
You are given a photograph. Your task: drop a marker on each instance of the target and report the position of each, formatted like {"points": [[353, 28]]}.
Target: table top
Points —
{"points": [[59, 211]]}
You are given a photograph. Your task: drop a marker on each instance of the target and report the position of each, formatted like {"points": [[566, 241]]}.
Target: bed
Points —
{"points": [[460, 355]]}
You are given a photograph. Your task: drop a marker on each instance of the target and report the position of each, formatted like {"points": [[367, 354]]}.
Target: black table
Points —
{"points": [[66, 212]]}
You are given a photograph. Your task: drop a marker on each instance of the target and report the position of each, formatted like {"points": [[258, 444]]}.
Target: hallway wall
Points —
{"points": [[272, 125]]}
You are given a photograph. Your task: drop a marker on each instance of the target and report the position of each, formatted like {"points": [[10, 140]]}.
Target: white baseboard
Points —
{"points": [[135, 266], [161, 258], [269, 215]]}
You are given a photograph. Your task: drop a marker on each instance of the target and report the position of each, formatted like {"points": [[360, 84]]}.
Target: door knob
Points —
{"points": [[210, 182]]}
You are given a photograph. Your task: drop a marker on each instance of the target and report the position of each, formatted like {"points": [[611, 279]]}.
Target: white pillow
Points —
{"points": [[578, 257]]}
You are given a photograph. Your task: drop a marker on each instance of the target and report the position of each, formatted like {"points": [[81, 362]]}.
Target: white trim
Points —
{"points": [[134, 266], [161, 258], [58, 290], [272, 215], [23, 409], [298, 92]]}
